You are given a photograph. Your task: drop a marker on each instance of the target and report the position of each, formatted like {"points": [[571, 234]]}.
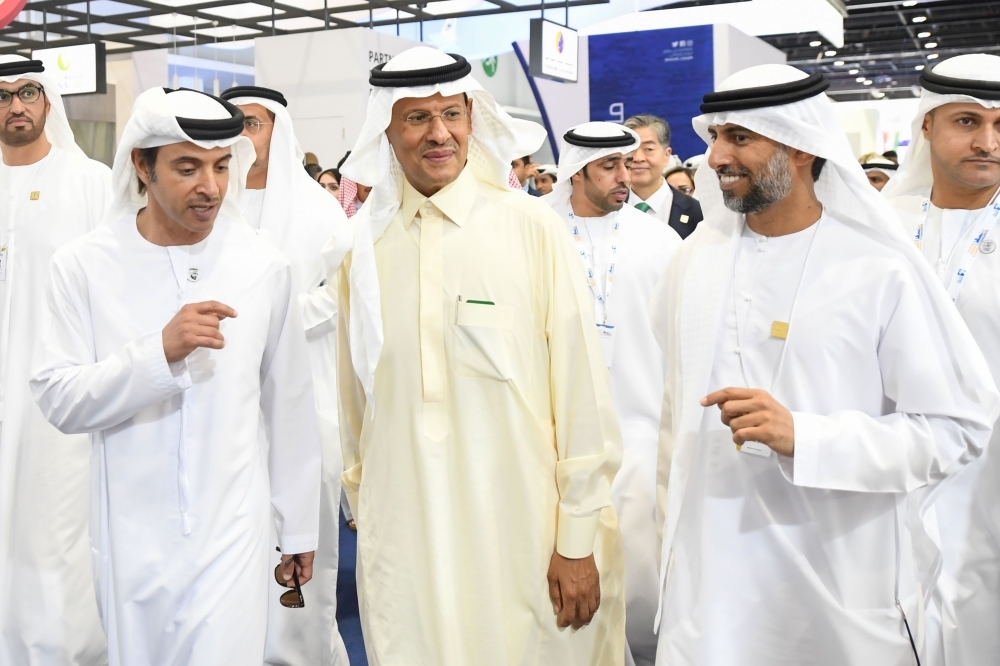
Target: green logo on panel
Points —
{"points": [[490, 65]]}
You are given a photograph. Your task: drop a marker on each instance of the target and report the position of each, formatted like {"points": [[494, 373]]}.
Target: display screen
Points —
{"points": [[666, 73], [76, 70], [553, 51]]}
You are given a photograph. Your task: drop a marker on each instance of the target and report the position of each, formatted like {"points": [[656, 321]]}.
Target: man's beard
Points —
{"points": [[23, 136], [771, 185], [602, 200]]}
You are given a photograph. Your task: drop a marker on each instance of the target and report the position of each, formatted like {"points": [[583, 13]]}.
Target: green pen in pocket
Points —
{"points": [[481, 302]]}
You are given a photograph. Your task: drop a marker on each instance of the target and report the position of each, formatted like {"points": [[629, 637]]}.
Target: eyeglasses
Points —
{"points": [[253, 125], [29, 94], [450, 117], [293, 598]]}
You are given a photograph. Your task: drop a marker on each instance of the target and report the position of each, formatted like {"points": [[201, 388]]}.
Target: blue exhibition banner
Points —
{"points": [[663, 72]]}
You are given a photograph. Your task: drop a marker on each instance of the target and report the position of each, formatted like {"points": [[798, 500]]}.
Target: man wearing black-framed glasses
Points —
{"points": [[51, 193]]}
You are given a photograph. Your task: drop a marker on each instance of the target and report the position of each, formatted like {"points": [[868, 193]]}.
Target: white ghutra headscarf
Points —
{"points": [[161, 117]]}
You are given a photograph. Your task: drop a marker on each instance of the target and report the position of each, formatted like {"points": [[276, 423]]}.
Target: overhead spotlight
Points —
{"points": [[839, 63], [923, 35], [867, 82], [878, 94], [930, 45], [830, 54], [853, 71], [919, 19], [816, 43], [919, 68], [932, 56], [909, 3], [861, 79]]}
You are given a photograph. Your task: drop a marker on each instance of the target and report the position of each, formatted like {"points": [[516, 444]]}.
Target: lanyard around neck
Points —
{"points": [[590, 262], [983, 225]]}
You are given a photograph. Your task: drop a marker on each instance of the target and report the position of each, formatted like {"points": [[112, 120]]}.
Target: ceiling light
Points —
{"points": [[816, 43], [878, 94], [909, 3], [830, 54], [839, 63], [923, 35], [919, 19], [930, 45], [932, 56], [853, 71], [860, 79], [919, 68], [867, 82]]}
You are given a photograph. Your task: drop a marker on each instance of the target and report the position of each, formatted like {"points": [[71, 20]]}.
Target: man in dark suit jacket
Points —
{"points": [[650, 192]]}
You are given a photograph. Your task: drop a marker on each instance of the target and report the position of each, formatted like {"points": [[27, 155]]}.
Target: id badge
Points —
{"points": [[607, 334], [3, 264], [755, 449]]}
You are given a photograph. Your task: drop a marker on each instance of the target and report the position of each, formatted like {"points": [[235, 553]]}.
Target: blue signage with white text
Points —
{"points": [[662, 72]]}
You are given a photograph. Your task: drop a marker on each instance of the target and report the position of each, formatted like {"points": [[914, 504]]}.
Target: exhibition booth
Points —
{"points": [[659, 62]]}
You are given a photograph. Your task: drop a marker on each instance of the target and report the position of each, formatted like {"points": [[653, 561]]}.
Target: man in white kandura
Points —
{"points": [[174, 332], [946, 194], [480, 439], [291, 211], [801, 324], [624, 253], [52, 194]]}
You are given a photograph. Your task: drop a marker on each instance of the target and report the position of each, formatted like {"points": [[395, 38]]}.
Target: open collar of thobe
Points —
{"points": [[454, 199]]}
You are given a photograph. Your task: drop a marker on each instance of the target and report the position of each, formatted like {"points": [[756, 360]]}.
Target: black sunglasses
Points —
{"points": [[293, 598]]}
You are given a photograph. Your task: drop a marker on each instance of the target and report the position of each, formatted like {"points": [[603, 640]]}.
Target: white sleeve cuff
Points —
{"points": [[803, 468], [298, 543], [168, 377]]}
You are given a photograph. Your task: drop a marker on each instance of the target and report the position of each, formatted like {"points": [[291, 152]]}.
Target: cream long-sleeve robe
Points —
{"points": [[967, 596], [306, 636], [48, 610], [790, 561], [182, 490], [493, 439], [644, 247]]}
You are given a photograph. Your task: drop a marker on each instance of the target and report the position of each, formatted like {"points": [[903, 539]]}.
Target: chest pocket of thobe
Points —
{"points": [[481, 341]]}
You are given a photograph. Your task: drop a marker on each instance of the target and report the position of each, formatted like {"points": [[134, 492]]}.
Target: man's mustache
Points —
{"points": [[438, 146], [203, 201], [983, 156], [19, 116], [732, 171]]}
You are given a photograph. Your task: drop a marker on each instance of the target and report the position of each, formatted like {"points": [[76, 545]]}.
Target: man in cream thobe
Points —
{"points": [[945, 193], [479, 435], [844, 377], [183, 490], [290, 210], [624, 254], [52, 194]]}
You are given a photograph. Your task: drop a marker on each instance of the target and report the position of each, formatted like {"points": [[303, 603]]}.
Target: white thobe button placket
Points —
{"points": [[432, 354], [179, 260]]}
